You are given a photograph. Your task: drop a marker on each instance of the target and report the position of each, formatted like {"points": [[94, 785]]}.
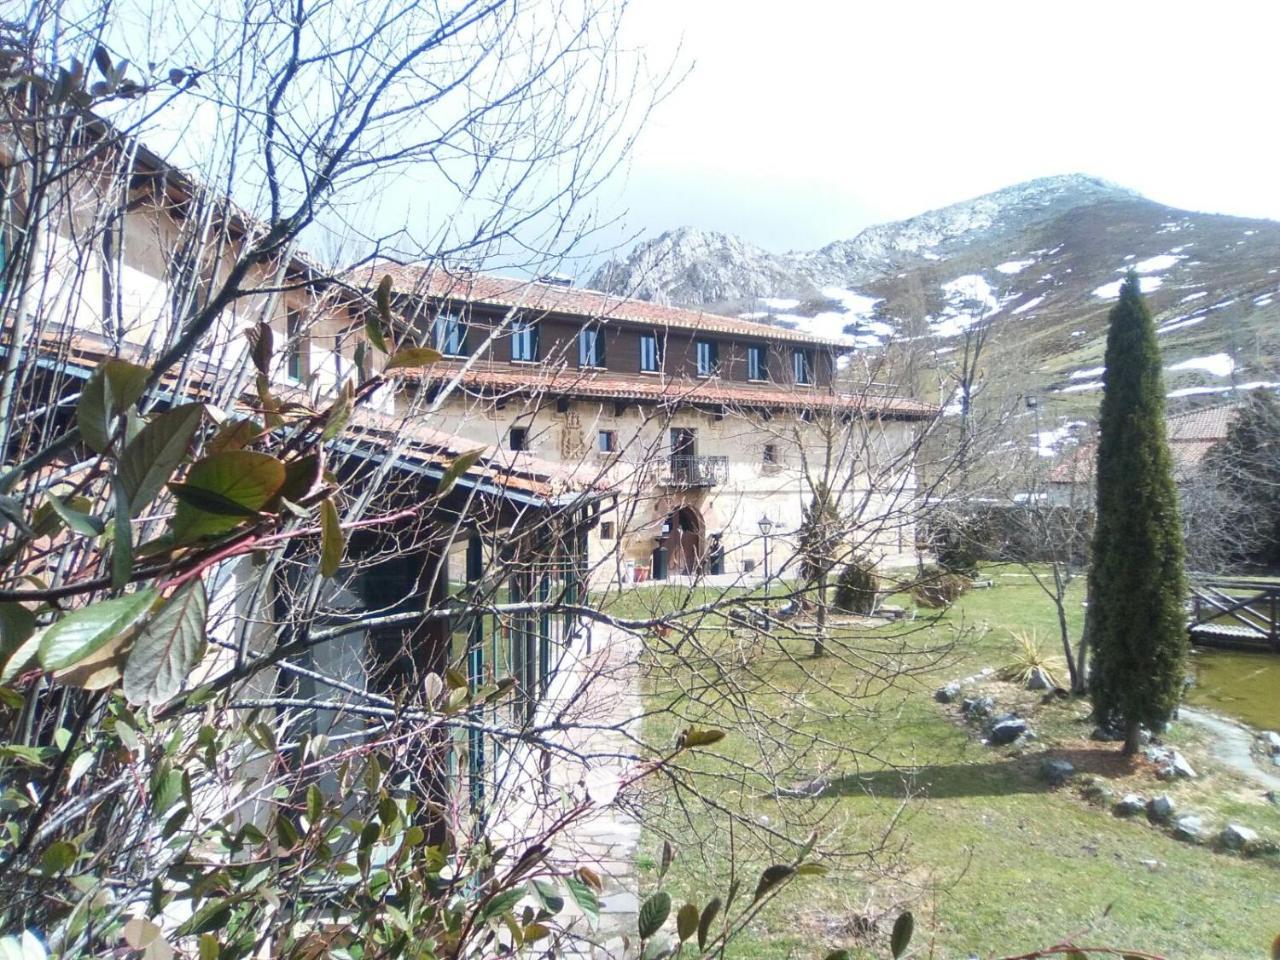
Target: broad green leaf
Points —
{"points": [[339, 412], [261, 345], [11, 510], [168, 647], [235, 435], [332, 540], [83, 631], [100, 669], [700, 738], [215, 486], [668, 857], [122, 538], [584, 897], [413, 357], [33, 756], [57, 857], [503, 902], [114, 387], [900, 939], [102, 60], [551, 901], [315, 804], [78, 520], [460, 465], [686, 921], [302, 477], [210, 501], [812, 870], [373, 325], [209, 948], [771, 877], [17, 623], [709, 913], [653, 914], [155, 453], [21, 658]]}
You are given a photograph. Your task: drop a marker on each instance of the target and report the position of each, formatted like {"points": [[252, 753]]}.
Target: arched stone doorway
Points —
{"points": [[685, 541]]}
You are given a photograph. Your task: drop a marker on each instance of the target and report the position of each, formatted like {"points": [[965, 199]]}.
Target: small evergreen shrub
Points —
{"points": [[958, 546], [856, 586], [937, 588]]}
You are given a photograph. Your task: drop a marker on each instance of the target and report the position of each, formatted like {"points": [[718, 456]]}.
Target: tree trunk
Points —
{"points": [[1059, 602], [819, 638], [1082, 653], [1132, 737]]}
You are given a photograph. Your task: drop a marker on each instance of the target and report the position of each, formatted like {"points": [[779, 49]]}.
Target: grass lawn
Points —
{"points": [[991, 859]]}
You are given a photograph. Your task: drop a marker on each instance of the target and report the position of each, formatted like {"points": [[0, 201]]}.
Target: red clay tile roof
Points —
{"points": [[1209, 424], [1191, 436], [565, 381], [423, 446], [427, 281]]}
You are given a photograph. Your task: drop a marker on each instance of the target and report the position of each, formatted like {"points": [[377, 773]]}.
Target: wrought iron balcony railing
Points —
{"points": [[694, 471]]}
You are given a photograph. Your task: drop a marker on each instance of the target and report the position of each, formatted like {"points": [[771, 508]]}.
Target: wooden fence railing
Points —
{"points": [[1239, 613]]}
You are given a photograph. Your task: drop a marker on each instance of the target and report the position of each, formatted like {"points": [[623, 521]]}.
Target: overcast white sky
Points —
{"points": [[803, 121]]}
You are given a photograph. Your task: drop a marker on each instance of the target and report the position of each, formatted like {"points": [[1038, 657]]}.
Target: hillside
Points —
{"points": [[1042, 260]]}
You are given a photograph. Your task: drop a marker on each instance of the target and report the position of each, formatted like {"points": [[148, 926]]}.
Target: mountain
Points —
{"points": [[1041, 261]]}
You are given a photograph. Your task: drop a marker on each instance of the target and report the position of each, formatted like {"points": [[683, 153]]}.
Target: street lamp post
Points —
{"points": [[766, 528]]}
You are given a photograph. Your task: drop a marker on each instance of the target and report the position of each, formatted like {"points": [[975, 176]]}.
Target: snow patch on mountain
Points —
{"points": [[1218, 364], [1109, 291]]}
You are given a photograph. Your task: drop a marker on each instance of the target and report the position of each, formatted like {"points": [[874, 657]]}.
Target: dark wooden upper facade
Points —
{"points": [[557, 340]]}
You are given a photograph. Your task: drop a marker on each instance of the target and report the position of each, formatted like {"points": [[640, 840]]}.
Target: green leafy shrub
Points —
{"points": [[856, 586], [937, 588]]}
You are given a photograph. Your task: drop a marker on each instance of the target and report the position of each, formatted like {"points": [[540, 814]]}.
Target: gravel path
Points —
{"points": [[1232, 746]]}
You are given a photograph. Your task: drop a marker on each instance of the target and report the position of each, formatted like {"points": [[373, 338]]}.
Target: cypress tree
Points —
{"points": [[1137, 625]]}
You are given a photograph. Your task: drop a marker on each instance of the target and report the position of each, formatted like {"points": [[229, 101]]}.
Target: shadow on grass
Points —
{"points": [[992, 778]]}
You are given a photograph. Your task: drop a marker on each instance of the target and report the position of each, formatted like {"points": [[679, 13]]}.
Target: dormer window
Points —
{"points": [[449, 335], [707, 356], [590, 347], [802, 366], [524, 342], [650, 353], [756, 366]]}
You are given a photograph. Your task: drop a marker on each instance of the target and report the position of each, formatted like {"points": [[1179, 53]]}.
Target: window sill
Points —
{"points": [[525, 363], [590, 367], [766, 380], [652, 373]]}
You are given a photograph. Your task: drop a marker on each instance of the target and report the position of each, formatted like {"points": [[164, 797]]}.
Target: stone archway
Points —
{"points": [[685, 542]]}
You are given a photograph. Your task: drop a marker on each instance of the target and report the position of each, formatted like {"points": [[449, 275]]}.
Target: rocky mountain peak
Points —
{"points": [[688, 265]]}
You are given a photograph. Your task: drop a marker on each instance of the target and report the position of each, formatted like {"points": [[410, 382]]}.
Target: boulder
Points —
{"points": [[1056, 771], [1129, 805], [1236, 837], [1189, 828], [1272, 797], [1180, 766], [1160, 809], [1007, 730], [1098, 793], [1270, 742], [948, 692], [1106, 733], [1038, 680], [978, 707]]}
